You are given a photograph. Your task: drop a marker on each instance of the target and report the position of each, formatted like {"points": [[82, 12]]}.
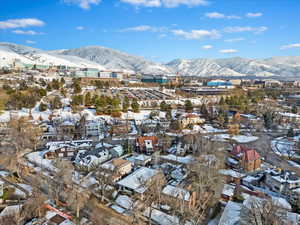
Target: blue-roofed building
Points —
{"points": [[218, 83]]}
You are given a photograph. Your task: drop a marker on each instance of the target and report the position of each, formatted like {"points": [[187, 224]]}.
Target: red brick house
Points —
{"points": [[249, 159], [147, 144]]}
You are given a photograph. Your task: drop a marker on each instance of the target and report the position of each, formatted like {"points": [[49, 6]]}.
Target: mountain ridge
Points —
{"points": [[105, 58]]}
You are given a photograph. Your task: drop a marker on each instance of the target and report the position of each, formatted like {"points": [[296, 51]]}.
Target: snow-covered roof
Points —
{"points": [[125, 202], [287, 114], [10, 210], [257, 202], [231, 214], [184, 160], [135, 181], [176, 192], [228, 190], [231, 173], [162, 218]]}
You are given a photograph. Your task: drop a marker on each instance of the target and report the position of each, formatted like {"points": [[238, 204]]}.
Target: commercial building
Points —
{"points": [[154, 79]]}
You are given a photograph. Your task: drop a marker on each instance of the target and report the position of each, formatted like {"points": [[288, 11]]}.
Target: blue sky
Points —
{"points": [[160, 30]]}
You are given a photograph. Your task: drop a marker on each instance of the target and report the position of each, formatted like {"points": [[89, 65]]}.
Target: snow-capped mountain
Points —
{"points": [[276, 66], [116, 60], [9, 52], [109, 59]]}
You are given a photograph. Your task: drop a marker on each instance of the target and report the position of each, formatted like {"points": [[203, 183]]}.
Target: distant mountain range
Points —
{"points": [[109, 59]]}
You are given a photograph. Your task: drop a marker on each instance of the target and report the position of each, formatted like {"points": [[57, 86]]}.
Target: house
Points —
{"points": [[116, 151], [139, 180], [140, 159], [179, 194], [88, 127], [49, 132], [231, 214], [252, 121], [249, 159], [61, 152], [92, 158], [232, 176], [282, 180], [228, 192], [93, 128], [66, 130], [190, 119], [121, 128], [234, 213], [117, 168], [285, 118], [147, 144]]}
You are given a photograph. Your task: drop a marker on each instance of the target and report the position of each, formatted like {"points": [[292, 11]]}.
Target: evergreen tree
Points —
{"points": [[295, 109], [56, 103], [164, 106], [268, 119], [290, 132], [88, 99], [126, 104], [77, 100], [188, 106], [169, 114], [43, 107], [135, 106]]}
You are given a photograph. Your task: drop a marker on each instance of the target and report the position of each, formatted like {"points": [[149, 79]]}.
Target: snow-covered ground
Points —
{"points": [[243, 139], [37, 159], [285, 146]]}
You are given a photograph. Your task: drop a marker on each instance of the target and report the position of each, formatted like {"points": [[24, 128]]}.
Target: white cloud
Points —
{"points": [[296, 45], [228, 51], [165, 3], [80, 28], [30, 42], [234, 40], [26, 32], [143, 28], [216, 15], [256, 30], [197, 34], [84, 4], [254, 15], [145, 3], [21, 23], [190, 3], [206, 47]]}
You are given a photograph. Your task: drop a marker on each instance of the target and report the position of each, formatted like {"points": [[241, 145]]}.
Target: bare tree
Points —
{"points": [[263, 213], [206, 184], [76, 199], [61, 179], [23, 136], [150, 198], [105, 183]]}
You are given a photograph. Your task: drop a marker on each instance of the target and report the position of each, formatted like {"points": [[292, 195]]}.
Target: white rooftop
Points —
{"points": [[176, 192], [231, 214], [135, 180]]}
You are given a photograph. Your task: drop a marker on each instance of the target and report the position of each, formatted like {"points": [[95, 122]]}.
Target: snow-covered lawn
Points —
{"points": [[243, 139]]}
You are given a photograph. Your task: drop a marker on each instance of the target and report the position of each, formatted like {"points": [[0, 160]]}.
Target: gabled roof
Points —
{"points": [[246, 153], [251, 155], [142, 140]]}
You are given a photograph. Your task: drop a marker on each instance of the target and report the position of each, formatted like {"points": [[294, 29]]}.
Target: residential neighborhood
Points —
{"points": [[138, 155]]}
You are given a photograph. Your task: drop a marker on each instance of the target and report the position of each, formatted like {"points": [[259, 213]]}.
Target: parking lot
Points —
{"points": [[146, 94]]}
